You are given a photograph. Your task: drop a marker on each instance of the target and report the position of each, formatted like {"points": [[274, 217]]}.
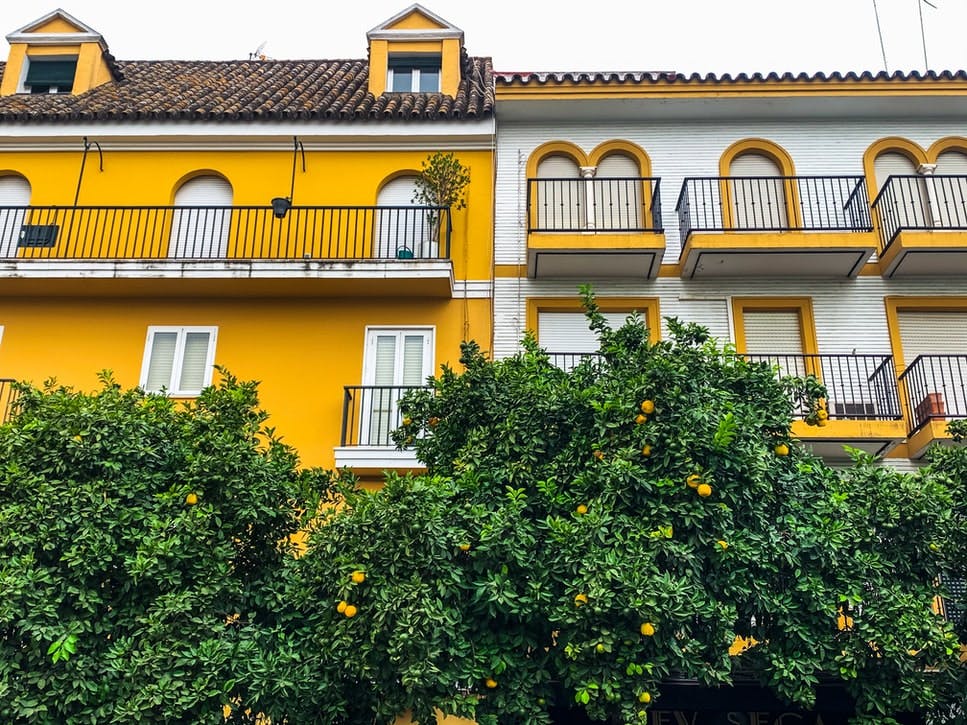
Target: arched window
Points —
{"points": [[758, 200], [561, 197], [14, 197], [617, 193], [403, 229], [950, 190], [902, 192], [199, 228]]}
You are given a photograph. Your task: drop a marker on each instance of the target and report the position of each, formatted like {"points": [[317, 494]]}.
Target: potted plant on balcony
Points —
{"points": [[442, 182]]}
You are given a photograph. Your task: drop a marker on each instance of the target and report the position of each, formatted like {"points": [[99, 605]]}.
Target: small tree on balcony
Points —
{"points": [[442, 181]]}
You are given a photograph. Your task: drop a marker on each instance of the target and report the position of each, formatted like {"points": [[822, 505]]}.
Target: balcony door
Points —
{"points": [[200, 224], [905, 205], [394, 361], [14, 194], [757, 195], [617, 194], [950, 194], [561, 197], [566, 335], [403, 230], [776, 334]]}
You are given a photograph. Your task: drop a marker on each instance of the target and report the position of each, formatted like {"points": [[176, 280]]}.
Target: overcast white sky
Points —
{"points": [[704, 36]]}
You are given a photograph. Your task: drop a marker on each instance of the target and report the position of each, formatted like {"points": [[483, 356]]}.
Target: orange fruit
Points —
{"points": [[341, 607], [639, 419], [191, 499], [358, 576], [464, 546], [599, 455], [491, 683], [821, 422], [433, 421], [723, 544], [644, 697], [599, 648], [821, 414], [350, 611], [646, 450], [704, 490], [694, 480], [647, 407], [407, 420], [647, 629], [580, 599], [581, 510], [781, 449]]}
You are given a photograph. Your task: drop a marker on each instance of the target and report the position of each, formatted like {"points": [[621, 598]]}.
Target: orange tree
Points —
{"points": [[143, 548], [580, 537]]}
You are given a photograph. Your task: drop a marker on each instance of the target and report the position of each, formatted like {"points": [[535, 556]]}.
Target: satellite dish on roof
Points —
{"points": [[257, 54]]}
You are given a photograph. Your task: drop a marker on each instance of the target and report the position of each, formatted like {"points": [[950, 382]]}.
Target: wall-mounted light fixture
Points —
{"points": [[80, 176]]}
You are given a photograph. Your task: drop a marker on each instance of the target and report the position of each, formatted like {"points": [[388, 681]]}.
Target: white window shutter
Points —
{"points": [[413, 362], [384, 369], [194, 367]]}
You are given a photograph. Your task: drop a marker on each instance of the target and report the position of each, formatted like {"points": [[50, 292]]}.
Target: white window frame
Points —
{"points": [[178, 362], [369, 351]]}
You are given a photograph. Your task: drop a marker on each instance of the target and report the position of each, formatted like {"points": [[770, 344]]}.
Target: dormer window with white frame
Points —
{"points": [[414, 73], [50, 74]]}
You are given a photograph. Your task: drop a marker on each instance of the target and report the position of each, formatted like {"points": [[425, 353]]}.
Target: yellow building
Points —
{"points": [[158, 218]]}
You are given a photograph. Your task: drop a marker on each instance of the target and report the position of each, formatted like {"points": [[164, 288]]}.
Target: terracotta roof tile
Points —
{"points": [[253, 90], [654, 77]]}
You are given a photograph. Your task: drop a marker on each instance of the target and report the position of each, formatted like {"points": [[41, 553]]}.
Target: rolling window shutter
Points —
{"points": [[772, 332], [194, 361], [163, 345], [568, 331], [51, 72], [892, 164], [932, 333]]}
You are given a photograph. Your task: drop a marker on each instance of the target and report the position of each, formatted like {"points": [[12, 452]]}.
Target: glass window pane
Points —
{"points": [[402, 80], [413, 360], [430, 80]]}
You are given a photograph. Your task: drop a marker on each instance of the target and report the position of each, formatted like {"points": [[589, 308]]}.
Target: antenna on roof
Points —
{"points": [[257, 54], [923, 35], [879, 32]]}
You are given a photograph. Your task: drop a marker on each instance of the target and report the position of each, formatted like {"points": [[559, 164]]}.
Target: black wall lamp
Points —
{"points": [[282, 204], [80, 176]]}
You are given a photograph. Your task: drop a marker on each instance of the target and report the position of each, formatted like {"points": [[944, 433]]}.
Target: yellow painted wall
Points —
{"points": [[332, 178], [303, 350]]}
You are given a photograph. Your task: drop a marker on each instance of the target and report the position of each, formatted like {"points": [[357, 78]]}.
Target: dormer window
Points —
{"points": [[50, 75], [414, 73]]}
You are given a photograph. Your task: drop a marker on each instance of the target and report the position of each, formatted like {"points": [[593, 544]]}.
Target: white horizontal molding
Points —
{"points": [[472, 288]]}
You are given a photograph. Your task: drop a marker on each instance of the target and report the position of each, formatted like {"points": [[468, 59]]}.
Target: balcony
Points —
{"points": [[320, 250], [370, 413], [594, 228], [923, 225], [934, 391], [773, 226], [863, 401]]}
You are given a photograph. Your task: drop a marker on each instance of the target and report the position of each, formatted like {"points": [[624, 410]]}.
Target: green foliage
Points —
{"points": [[442, 182], [558, 516], [122, 601]]}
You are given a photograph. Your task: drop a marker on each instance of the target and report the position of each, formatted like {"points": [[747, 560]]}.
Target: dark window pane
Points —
{"points": [[58, 73], [430, 80], [402, 80]]}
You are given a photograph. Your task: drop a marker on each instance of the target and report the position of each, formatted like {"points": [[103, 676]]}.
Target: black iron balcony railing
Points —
{"points": [[935, 387], [773, 203], [920, 203], [570, 360], [631, 204], [371, 412], [219, 233], [858, 387], [8, 399]]}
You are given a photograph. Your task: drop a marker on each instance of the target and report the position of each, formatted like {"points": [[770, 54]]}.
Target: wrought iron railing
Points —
{"points": [[773, 203], [630, 204], [371, 412], [570, 360], [8, 399], [858, 387], [920, 203], [935, 387], [954, 606], [220, 233]]}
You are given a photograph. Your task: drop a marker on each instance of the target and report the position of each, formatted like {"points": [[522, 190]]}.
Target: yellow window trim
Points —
{"points": [[646, 306], [802, 305], [897, 304], [775, 153]]}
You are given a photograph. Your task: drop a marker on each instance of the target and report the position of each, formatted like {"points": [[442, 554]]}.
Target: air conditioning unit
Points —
{"points": [[856, 410]]}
